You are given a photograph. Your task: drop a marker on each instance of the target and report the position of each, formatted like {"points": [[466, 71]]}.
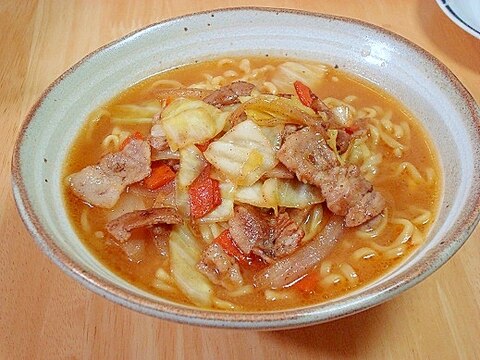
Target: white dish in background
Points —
{"points": [[464, 13]]}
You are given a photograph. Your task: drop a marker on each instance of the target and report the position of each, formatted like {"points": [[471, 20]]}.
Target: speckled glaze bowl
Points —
{"points": [[422, 83]]}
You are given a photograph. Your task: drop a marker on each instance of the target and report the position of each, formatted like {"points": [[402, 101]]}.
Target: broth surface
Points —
{"points": [[410, 183]]}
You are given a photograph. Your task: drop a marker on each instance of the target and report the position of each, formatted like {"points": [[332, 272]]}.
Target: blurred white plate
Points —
{"points": [[464, 13]]}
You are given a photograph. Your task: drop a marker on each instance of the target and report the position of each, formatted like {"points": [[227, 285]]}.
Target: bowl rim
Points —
{"points": [[265, 320]]}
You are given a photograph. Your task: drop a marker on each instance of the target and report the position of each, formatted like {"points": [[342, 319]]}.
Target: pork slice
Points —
{"points": [[283, 239], [220, 267], [306, 153], [266, 236], [97, 188], [349, 194], [132, 164], [228, 95], [121, 227], [102, 184], [343, 141], [343, 187], [369, 206], [248, 227], [159, 143], [288, 130]]}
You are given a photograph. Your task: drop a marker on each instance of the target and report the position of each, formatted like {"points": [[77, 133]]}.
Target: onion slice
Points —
{"points": [[296, 265]]}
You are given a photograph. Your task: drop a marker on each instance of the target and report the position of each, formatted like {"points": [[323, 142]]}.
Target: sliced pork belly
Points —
{"points": [[343, 187], [220, 267], [158, 143], [248, 227], [102, 184], [132, 164], [266, 236], [228, 95], [285, 236], [121, 227], [346, 191], [306, 153], [93, 185], [371, 205], [343, 141]]}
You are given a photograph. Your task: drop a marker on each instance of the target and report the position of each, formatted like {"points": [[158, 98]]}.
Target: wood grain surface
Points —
{"points": [[44, 314]]}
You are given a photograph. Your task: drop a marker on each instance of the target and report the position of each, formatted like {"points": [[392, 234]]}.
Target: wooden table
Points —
{"points": [[44, 314]]}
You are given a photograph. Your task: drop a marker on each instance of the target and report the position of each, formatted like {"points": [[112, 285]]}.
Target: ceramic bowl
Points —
{"points": [[425, 86]]}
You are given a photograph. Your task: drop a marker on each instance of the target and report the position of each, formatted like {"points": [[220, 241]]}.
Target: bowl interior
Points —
{"points": [[421, 83]]}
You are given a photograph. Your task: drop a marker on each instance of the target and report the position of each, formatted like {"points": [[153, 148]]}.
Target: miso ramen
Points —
{"points": [[251, 184]]}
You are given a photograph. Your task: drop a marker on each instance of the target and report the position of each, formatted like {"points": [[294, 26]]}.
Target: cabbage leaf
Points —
{"points": [[287, 73], [274, 192], [243, 154], [185, 253], [274, 110], [192, 163], [187, 121]]}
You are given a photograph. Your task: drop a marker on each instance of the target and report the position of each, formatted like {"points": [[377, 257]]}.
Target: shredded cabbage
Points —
{"points": [[185, 253], [252, 195], [211, 231], [355, 153], [243, 154], [274, 192], [290, 193], [287, 73], [312, 223], [182, 200], [273, 110], [274, 135], [187, 121], [332, 144], [128, 202], [192, 163], [342, 115]]}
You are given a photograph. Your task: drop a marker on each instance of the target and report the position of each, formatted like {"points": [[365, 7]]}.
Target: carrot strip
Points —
{"points": [[136, 135], [304, 93], [250, 261], [226, 242], [204, 194], [308, 283], [161, 175]]}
